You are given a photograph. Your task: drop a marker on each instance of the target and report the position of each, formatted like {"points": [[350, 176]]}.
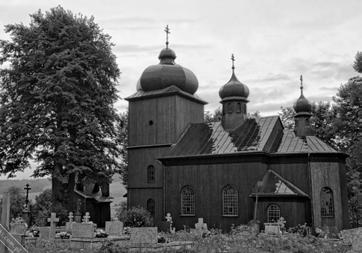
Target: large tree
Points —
{"points": [[57, 90]]}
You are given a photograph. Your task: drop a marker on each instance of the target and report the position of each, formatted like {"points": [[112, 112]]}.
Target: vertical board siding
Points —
{"points": [[325, 174]]}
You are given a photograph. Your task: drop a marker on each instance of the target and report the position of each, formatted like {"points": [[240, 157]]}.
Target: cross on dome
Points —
{"points": [[167, 31], [301, 84], [233, 60]]}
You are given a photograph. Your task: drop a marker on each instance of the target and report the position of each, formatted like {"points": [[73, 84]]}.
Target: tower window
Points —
{"points": [[238, 107], [187, 201], [229, 201], [150, 122], [273, 213], [229, 107], [327, 202], [150, 174]]}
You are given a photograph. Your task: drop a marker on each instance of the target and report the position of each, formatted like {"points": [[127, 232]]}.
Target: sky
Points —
{"points": [[274, 42]]}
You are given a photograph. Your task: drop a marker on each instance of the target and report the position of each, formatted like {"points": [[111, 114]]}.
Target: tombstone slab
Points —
{"points": [[83, 230], [143, 235], [114, 228], [44, 233], [18, 228]]}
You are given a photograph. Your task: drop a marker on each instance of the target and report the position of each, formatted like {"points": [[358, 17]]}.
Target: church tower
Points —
{"points": [[303, 109], [161, 109], [233, 96]]}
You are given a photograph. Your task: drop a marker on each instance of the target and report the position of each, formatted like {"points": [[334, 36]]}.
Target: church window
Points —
{"points": [[229, 201], [238, 107], [273, 213], [229, 107], [151, 207], [187, 201], [150, 174], [150, 122], [327, 202]]}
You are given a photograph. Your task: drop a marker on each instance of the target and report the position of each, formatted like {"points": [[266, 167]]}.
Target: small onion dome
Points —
{"points": [[302, 105], [234, 88], [167, 73]]}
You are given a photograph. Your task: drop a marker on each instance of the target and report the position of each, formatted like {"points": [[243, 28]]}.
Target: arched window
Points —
{"points": [[151, 207], [273, 213], [229, 201], [238, 107], [327, 202], [150, 174], [187, 201]]}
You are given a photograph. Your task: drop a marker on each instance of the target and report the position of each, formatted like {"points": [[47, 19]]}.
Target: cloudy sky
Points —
{"points": [[274, 41]]}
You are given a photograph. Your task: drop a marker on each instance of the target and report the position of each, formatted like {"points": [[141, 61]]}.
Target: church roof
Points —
{"points": [[140, 94], [264, 134], [274, 185], [293, 144]]}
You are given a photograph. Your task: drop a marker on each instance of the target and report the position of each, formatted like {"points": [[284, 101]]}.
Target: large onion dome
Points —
{"points": [[302, 105], [166, 74], [234, 88]]}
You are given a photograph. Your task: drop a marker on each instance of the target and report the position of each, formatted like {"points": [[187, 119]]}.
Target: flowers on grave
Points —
{"points": [[63, 235], [100, 233]]}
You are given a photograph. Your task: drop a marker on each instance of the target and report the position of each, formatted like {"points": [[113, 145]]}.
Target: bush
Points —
{"points": [[136, 217]]}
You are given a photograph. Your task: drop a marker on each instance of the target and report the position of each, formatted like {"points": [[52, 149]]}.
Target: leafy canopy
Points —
{"points": [[57, 96]]}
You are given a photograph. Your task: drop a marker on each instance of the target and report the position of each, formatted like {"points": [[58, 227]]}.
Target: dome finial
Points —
{"points": [[167, 31], [301, 85], [233, 60]]}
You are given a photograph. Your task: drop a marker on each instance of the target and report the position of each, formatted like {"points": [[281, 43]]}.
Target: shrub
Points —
{"points": [[136, 217]]}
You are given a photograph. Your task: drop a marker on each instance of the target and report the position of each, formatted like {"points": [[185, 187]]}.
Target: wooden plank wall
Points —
{"points": [[326, 174]]}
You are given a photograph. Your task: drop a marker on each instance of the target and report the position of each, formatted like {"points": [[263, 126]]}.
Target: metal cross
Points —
{"points": [[27, 189], [301, 84], [233, 60], [167, 31]]}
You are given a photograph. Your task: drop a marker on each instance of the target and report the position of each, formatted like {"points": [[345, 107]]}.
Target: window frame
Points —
{"points": [[151, 174], [191, 201], [268, 211], [232, 204], [330, 213]]}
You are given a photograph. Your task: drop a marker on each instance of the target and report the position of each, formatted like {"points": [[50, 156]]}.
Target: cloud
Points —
{"points": [[271, 77]]}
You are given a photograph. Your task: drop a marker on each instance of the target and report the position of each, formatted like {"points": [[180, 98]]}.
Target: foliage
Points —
{"points": [[136, 217], [122, 140], [120, 208], [357, 65], [57, 95], [17, 201], [213, 117]]}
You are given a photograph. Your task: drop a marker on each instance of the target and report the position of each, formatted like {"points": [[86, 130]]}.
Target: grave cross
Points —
{"points": [[70, 216], [86, 217], [53, 219]]}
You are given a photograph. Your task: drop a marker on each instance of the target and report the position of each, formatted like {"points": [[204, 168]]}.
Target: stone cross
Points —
{"points": [[70, 216], [86, 217], [53, 220]]}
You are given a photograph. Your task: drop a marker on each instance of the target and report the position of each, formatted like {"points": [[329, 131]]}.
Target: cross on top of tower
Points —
{"points": [[301, 84], [167, 31], [232, 61]]}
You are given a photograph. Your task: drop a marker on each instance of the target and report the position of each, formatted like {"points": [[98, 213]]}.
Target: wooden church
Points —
{"points": [[181, 165]]}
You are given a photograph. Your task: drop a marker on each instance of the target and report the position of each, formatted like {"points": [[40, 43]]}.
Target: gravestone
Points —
{"points": [[143, 235], [114, 228], [44, 233], [18, 228], [86, 218], [69, 224], [53, 220], [272, 228], [200, 225], [83, 230]]}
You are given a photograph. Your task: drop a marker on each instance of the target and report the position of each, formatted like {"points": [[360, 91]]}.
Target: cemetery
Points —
{"points": [[115, 237], [235, 181]]}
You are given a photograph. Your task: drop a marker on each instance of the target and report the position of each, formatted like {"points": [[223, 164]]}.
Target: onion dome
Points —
{"points": [[167, 73], [302, 105], [234, 88]]}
